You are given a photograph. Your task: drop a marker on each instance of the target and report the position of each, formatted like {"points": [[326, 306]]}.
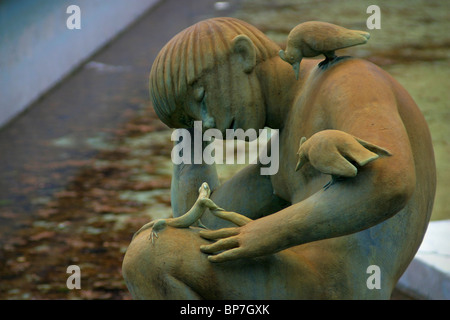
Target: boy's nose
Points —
{"points": [[208, 122]]}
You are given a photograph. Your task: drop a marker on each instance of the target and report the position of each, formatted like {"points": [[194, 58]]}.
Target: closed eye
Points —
{"points": [[203, 107], [199, 94]]}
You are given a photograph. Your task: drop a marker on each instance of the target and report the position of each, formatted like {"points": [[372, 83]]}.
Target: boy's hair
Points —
{"points": [[190, 53]]}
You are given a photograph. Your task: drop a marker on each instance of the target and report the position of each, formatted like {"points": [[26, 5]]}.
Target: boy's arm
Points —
{"points": [[247, 192]]}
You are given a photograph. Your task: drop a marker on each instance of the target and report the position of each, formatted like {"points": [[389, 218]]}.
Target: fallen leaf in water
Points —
{"points": [[78, 243], [8, 215], [66, 164], [150, 185], [66, 194], [47, 212], [103, 208], [17, 267], [42, 235]]}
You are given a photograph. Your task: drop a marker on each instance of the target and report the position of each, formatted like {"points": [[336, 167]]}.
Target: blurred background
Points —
{"points": [[85, 162]]}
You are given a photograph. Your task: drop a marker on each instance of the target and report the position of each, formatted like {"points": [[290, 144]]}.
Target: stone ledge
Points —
{"points": [[428, 275], [39, 50]]}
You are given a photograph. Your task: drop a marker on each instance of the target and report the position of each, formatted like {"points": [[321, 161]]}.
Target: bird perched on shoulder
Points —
{"points": [[310, 39]]}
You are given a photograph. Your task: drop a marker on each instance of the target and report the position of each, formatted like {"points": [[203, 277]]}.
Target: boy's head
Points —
{"points": [[206, 72]]}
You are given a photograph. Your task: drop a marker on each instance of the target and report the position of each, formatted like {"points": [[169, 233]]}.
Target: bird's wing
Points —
{"points": [[324, 37], [349, 38]]}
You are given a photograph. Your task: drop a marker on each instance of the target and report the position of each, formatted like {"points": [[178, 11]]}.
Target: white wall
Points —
{"points": [[37, 49]]}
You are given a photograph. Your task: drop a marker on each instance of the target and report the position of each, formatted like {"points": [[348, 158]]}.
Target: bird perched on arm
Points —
{"points": [[310, 39], [337, 153]]}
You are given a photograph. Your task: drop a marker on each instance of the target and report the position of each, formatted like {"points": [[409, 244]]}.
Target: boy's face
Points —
{"points": [[227, 98]]}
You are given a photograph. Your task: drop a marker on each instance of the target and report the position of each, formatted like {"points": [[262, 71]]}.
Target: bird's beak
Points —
{"points": [[296, 66], [299, 165]]}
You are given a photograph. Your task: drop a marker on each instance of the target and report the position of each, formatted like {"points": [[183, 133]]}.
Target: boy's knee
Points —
{"points": [[148, 266]]}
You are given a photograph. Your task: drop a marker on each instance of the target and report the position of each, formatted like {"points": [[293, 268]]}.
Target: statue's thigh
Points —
{"points": [[172, 267]]}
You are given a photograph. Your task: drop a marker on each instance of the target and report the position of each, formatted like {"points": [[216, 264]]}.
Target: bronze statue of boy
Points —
{"points": [[302, 240]]}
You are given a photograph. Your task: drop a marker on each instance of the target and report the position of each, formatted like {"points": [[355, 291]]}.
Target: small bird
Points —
{"points": [[337, 153], [310, 39]]}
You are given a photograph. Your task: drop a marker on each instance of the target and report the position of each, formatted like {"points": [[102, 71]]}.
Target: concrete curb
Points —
{"points": [[428, 275], [39, 50]]}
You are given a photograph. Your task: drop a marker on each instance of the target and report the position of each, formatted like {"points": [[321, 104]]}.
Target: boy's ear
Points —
{"points": [[244, 50]]}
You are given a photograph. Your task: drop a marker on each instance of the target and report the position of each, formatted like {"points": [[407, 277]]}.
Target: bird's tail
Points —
{"points": [[352, 38], [365, 36]]}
